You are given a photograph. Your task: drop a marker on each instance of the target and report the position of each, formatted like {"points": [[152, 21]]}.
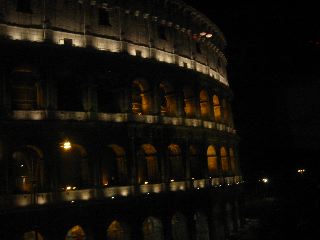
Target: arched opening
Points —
{"points": [[232, 161], [148, 166], [27, 169], [224, 160], [195, 163], [204, 104], [69, 93], [32, 235], [216, 108], [109, 98], [140, 97], [201, 226], [212, 161], [26, 93], [167, 100], [114, 169], [179, 227], [117, 231], [176, 166], [76, 233], [189, 102], [74, 167], [225, 111], [152, 229]]}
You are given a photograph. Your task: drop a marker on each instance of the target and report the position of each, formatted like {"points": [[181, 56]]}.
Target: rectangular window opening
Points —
{"points": [[104, 17], [162, 32], [138, 53], [67, 42], [24, 6]]}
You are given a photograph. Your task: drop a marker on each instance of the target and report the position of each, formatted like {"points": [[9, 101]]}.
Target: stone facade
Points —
{"points": [[115, 122]]}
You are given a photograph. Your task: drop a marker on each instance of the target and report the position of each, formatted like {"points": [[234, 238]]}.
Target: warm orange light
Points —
{"points": [[301, 171], [66, 145]]}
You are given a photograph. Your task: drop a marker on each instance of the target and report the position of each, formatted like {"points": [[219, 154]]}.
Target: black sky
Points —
{"points": [[273, 52]]}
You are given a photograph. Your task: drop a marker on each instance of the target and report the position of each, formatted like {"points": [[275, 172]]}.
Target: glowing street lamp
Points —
{"points": [[66, 145], [301, 171]]}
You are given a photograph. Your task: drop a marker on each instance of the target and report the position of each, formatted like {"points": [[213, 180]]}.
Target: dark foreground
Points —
{"points": [[287, 209]]}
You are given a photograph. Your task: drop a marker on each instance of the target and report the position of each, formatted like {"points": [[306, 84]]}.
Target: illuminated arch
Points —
{"points": [[201, 226], [204, 104], [195, 163], [216, 108], [74, 167], [189, 102], [175, 162], [167, 99], [26, 93], [179, 227], [118, 231], [224, 160], [27, 165], [232, 161], [212, 161], [114, 166], [140, 97], [76, 233], [148, 166], [32, 235], [152, 229]]}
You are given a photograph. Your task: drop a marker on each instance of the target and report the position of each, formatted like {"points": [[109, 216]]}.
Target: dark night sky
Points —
{"points": [[273, 52]]}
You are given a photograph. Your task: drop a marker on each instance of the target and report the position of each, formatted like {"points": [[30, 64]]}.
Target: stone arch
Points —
{"points": [[201, 226], [113, 166], [189, 102], [167, 99], [118, 231], [179, 227], [140, 97], [225, 111], [70, 92], [216, 108], [74, 167], [224, 160], [176, 166], [195, 163], [25, 88], [148, 165], [232, 161], [28, 169], [32, 235], [204, 104], [152, 229], [75, 233], [212, 160]]}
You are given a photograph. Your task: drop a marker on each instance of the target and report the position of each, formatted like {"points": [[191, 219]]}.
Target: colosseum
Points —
{"points": [[115, 122]]}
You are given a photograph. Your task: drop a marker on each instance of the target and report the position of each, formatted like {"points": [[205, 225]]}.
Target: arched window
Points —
{"points": [[232, 161], [212, 160], [225, 111], [152, 229], [32, 235], [114, 166], [148, 168], [195, 163], [175, 162], [179, 227], [224, 160], [118, 231], [69, 93], [25, 90], [216, 108], [168, 103], [140, 97], [27, 169], [189, 102], [204, 104], [74, 167], [201, 226], [76, 233]]}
